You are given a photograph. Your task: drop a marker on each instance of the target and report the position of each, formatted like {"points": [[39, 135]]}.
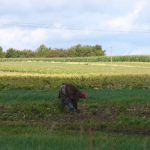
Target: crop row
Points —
{"points": [[99, 81], [128, 58]]}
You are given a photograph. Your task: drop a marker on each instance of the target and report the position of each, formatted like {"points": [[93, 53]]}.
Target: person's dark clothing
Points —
{"points": [[69, 95]]}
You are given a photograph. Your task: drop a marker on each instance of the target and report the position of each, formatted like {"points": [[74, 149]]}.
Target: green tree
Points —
{"points": [[25, 53], [86, 50], [11, 53], [98, 50], [42, 51], [1, 52]]}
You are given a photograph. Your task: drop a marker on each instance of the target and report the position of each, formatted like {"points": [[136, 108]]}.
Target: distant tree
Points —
{"points": [[42, 51], [57, 53], [26, 53], [11, 53], [86, 50], [98, 50], [1, 52]]}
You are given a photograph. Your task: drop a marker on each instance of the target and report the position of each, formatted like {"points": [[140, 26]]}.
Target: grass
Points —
{"points": [[27, 96], [127, 58], [103, 110], [74, 142], [94, 95], [41, 142], [46, 75], [75, 67], [31, 119]]}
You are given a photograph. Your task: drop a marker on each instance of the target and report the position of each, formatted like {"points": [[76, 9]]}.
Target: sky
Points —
{"points": [[121, 27]]}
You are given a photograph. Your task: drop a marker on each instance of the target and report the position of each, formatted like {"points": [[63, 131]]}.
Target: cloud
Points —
{"points": [[91, 21], [21, 39], [127, 21]]}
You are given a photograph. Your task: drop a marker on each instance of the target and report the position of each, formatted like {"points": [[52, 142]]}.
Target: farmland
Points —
{"points": [[40, 75], [115, 115], [79, 68]]}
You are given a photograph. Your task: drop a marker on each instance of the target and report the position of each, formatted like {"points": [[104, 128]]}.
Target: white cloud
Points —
{"points": [[86, 15], [127, 21], [18, 38]]}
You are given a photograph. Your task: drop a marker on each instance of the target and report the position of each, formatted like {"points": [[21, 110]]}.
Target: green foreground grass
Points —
{"points": [[31, 119], [74, 142], [93, 95]]}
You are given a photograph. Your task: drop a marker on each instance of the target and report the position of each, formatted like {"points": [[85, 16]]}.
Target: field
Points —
{"points": [[127, 58], [76, 68], [115, 115]]}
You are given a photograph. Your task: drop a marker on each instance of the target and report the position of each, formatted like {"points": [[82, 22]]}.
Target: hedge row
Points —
{"points": [[132, 58], [100, 81]]}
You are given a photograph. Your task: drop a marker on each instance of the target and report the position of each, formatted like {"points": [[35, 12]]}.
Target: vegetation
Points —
{"points": [[116, 114], [47, 75], [43, 51], [31, 119], [128, 58], [24, 81], [74, 142], [75, 68], [98, 96]]}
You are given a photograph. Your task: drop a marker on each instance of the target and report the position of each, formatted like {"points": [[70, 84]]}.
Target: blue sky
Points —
{"points": [[123, 25]]}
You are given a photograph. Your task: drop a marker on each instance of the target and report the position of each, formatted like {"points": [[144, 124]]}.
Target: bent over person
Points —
{"points": [[70, 95]]}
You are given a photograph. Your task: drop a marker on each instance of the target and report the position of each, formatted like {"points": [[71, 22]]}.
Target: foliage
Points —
{"points": [[82, 51], [1, 52], [43, 51], [12, 53]]}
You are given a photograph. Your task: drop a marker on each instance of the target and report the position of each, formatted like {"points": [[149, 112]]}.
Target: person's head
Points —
{"points": [[83, 95]]}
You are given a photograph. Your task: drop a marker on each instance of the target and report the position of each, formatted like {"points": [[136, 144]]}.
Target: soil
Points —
{"points": [[121, 118]]}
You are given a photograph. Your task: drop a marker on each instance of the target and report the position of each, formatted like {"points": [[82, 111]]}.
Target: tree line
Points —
{"points": [[43, 51]]}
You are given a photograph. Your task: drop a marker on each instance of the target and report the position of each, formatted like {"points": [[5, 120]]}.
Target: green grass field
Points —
{"points": [[110, 118], [63, 142], [75, 67], [12, 96]]}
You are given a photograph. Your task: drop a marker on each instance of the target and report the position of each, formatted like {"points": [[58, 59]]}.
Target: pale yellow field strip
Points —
{"points": [[131, 65], [74, 75]]}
